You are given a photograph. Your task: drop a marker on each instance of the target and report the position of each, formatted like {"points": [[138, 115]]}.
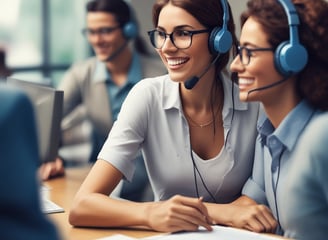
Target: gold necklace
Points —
{"points": [[199, 125], [204, 124]]}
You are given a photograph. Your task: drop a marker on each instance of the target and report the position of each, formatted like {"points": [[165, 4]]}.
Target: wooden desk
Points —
{"points": [[62, 191]]}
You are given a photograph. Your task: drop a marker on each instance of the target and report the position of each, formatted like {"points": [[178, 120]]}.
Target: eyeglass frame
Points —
{"points": [[100, 31], [249, 52], [170, 35]]}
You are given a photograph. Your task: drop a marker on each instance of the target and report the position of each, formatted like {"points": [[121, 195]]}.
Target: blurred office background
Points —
{"points": [[42, 38]]}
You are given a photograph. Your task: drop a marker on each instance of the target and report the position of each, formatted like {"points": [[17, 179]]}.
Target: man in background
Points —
{"points": [[101, 83]]}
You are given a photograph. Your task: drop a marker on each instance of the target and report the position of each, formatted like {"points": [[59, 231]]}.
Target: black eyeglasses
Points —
{"points": [[181, 39], [103, 31], [245, 53]]}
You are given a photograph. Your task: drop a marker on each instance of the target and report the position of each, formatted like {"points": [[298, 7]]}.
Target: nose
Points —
{"points": [[95, 38], [168, 45], [236, 65]]}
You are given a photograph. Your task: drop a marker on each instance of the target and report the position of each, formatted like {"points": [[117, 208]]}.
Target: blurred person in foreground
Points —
{"points": [[21, 215]]}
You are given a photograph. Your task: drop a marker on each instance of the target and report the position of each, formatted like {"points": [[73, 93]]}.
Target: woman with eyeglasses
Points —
{"points": [[196, 137], [282, 62]]}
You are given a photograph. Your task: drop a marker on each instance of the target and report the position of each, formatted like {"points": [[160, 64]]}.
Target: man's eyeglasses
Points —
{"points": [[245, 53], [181, 39], [103, 31]]}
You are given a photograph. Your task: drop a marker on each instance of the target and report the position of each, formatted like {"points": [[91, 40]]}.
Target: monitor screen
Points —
{"points": [[48, 107]]}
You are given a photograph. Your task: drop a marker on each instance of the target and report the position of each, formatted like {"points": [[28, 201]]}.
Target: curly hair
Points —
{"points": [[312, 81]]}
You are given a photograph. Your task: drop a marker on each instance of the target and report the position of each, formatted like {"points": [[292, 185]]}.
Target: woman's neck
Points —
{"points": [[278, 109]]}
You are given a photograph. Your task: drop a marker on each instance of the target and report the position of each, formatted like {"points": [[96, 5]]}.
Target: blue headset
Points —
{"points": [[130, 29], [220, 40], [290, 56]]}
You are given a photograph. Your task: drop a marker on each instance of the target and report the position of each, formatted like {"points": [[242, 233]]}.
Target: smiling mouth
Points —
{"points": [[245, 82], [177, 61]]}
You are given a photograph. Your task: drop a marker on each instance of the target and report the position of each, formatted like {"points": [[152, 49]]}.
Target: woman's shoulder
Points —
{"points": [[152, 84], [151, 90], [152, 66], [316, 132]]}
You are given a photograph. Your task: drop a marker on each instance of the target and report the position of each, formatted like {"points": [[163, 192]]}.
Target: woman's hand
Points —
{"points": [[256, 218], [243, 213], [179, 214]]}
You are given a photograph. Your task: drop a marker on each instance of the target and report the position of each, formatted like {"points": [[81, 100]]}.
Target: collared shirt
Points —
{"points": [[305, 210], [274, 148], [117, 94], [152, 119]]}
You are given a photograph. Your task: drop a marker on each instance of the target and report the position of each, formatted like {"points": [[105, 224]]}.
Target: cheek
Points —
{"points": [[264, 70], [161, 55]]}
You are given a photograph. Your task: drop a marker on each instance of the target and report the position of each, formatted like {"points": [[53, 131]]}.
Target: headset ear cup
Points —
{"points": [[211, 40], [290, 58], [130, 30], [279, 58], [220, 41]]}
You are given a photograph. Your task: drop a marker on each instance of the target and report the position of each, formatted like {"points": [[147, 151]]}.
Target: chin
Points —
{"points": [[101, 55], [243, 96], [176, 78]]}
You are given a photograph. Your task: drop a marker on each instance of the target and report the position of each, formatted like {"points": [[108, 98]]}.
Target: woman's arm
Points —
{"points": [[92, 206]]}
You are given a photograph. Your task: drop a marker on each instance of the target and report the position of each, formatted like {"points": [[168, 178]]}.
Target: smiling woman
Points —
{"points": [[294, 69], [160, 113]]}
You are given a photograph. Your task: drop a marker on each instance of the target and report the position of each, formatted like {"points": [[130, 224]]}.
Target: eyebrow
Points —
{"points": [[176, 27], [248, 44]]}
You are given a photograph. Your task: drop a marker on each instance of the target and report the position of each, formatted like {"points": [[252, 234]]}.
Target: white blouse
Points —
{"points": [[152, 120]]}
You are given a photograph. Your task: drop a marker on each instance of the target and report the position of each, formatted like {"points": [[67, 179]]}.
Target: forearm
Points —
{"points": [[223, 214], [93, 208], [98, 210], [244, 201]]}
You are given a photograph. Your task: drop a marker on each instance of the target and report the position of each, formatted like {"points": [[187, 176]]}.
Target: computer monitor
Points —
{"points": [[48, 107]]}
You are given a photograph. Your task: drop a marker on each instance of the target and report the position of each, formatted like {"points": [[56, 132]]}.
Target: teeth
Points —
{"points": [[243, 81], [173, 62]]}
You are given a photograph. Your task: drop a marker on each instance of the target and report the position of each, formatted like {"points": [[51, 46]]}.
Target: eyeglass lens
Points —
{"points": [[245, 53], [181, 39]]}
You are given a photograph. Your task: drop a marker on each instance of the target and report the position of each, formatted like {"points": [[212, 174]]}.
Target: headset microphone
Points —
{"points": [[219, 42], [267, 86], [190, 83]]}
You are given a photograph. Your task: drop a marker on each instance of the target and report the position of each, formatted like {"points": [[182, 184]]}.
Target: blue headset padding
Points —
{"points": [[220, 40], [130, 30], [290, 56]]}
